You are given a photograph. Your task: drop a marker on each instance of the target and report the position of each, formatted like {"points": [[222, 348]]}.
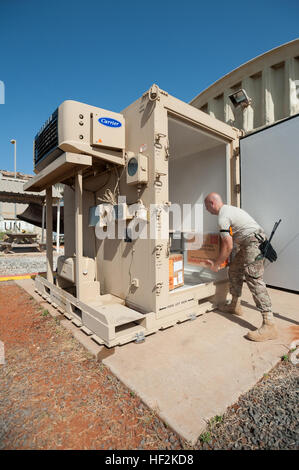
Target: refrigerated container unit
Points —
{"points": [[158, 152]]}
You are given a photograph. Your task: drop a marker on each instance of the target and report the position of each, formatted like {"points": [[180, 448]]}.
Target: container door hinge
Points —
{"points": [[236, 152], [158, 183], [238, 188], [158, 250], [158, 137], [158, 288]]}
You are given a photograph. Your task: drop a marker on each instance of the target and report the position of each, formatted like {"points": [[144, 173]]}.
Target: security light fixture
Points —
{"points": [[240, 98], [14, 143]]}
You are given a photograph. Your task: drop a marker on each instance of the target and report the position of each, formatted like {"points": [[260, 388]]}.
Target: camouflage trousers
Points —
{"points": [[244, 264]]}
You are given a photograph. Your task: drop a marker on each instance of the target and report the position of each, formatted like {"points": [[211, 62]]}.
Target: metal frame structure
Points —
{"points": [[130, 295]]}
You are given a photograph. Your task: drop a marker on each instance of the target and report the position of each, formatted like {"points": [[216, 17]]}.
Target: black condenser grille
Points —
{"points": [[47, 138]]}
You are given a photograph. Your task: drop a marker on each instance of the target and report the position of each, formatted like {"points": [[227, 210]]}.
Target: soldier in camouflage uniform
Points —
{"points": [[237, 230], [244, 263]]}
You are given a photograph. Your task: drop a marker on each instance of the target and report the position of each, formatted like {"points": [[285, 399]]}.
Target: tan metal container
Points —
{"points": [[184, 154]]}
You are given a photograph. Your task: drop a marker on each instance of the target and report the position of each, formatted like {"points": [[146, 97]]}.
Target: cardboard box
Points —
{"points": [[210, 249], [176, 271]]}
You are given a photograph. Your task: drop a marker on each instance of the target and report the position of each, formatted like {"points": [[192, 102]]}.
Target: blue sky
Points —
{"points": [[107, 53]]}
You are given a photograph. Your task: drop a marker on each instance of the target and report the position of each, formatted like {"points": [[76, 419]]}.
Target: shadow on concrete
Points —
{"points": [[276, 314], [245, 324], [236, 319]]}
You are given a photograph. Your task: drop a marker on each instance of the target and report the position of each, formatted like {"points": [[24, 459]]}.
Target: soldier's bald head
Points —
{"points": [[213, 203]]}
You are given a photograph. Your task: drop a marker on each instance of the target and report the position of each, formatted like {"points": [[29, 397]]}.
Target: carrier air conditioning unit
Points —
{"points": [[80, 128]]}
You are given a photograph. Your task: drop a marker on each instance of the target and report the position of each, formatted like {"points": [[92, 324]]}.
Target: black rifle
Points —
{"points": [[267, 250]]}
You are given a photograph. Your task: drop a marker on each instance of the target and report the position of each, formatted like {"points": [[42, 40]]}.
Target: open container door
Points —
{"points": [[269, 192], [202, 159], [199, 164]]}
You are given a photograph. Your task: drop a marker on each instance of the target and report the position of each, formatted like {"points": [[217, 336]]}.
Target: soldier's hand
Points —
{"points": [[212, 266]]}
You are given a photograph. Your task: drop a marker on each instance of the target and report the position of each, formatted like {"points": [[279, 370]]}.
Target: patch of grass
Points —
{"points": [[216, 420], [133, 394], [285, 358], [205, 437], [45, 313]]}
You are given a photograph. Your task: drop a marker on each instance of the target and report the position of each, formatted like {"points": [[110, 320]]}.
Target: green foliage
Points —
{"points": [[218, 419], [215, 421], [205, 437]]}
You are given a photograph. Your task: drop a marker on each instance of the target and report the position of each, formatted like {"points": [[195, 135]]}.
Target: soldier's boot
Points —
{"points": [[267, 331], [233, 307]]}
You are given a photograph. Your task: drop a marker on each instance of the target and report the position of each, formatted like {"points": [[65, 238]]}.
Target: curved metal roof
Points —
{"points": [[253, 66]]}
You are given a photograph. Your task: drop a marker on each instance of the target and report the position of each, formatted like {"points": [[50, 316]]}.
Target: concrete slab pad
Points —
{"points": [[194, 371]]}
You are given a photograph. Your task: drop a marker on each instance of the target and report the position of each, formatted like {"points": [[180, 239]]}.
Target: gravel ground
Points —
{"points": [[264, 418], [24, 263], [54, 395]]}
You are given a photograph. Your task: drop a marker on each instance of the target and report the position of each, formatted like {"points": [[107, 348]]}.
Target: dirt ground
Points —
{"points": [[54, 395]]}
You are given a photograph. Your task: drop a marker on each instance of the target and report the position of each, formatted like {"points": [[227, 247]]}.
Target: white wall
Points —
{"points": [[269, 191], [191, 178], [7, 209]]}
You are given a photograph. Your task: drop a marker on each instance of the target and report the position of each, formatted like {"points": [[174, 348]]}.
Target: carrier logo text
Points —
{"points": [[109, 122]]}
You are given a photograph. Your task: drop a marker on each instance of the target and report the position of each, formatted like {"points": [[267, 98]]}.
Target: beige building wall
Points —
{"points": [[7, 216], [271, 80], [7, 209]]}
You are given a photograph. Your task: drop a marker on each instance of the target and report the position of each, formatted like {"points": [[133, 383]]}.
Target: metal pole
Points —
{"points": [[78, 232], [15, 158], [58, 226], [14, 142], [43, 224], [49, 228]]}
